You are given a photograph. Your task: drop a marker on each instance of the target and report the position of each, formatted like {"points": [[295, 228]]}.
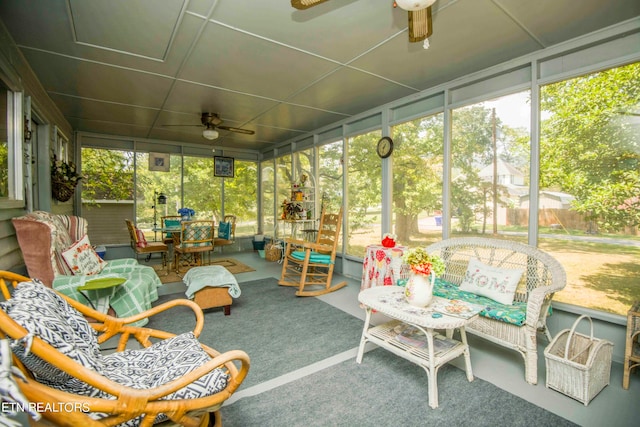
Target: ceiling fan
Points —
{"points": [[419, 15], [211, 122]]}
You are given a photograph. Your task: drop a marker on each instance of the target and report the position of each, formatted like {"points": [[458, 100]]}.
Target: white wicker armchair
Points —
{"points": [[542, 276]]}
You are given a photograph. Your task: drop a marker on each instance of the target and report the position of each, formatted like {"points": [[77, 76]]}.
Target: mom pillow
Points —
{"points": [[499, 284]]}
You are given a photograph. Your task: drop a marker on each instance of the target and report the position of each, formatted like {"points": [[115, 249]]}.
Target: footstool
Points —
{"points": [[211, 286], [214, 297]]}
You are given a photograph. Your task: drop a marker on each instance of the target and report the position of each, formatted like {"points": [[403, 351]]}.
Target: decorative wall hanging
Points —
{"points": [[223, 167], [159, 162]]}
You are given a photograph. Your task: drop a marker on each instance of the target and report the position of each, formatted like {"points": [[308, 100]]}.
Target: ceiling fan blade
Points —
{"points": [[420, 25], [305, 4], [199, 126], [236, 130]]}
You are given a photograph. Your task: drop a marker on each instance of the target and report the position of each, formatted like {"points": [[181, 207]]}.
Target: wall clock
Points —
{"points": [[385, 147]]}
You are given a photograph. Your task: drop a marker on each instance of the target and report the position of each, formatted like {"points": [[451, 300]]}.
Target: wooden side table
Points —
{"points": [[632, 348]]}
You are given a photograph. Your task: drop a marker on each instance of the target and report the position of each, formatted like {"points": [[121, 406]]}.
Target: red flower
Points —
{"points": [[422, 269]]}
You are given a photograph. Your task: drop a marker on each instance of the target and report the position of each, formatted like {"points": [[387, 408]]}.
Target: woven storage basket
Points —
{"points": [[578, 365], [272, 252], [62, 191]]}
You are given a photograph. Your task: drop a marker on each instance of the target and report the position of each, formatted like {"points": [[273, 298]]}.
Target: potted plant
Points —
{"points": [[424, 269], [64, 178]]}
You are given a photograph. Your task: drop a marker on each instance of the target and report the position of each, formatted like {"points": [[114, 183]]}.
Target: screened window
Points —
{"points": [[590, 184], [241, 197], [490, 168], [417, 180], [267, 175], [330, 177], [107, 193], [364, 193]]}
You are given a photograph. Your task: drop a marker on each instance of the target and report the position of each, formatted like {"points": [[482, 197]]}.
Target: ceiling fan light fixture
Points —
{"points": [[413, 5], [210, 134]]}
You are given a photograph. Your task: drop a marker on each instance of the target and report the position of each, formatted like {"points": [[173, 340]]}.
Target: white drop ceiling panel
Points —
{"points": [[140, 64]]}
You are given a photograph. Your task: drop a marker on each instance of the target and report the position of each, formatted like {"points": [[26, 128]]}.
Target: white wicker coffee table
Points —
{"points": [[390, 301]]}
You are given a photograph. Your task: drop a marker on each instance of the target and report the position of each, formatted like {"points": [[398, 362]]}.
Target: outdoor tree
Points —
{"points": [[364, 180], [590, 144], [330, 174], [417, 178], [472, 149], [108, 175]]}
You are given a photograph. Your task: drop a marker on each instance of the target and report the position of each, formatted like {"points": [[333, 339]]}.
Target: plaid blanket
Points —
{"points": [[132, 297]]}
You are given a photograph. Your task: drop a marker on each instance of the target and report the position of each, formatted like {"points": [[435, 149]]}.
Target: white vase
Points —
{"points": [[419, 289]]}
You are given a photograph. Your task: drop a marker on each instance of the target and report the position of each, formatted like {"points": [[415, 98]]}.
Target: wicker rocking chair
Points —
{"points": [[57, 351], [310, 264]]}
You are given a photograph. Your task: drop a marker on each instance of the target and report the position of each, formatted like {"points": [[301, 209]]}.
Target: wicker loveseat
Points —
{"points": [[513, 326]]}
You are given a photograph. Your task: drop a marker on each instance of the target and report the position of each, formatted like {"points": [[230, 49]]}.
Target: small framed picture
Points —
{"points": [[159, 162], [223, 166]]}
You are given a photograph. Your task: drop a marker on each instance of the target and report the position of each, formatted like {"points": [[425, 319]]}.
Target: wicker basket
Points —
{"points": [[62, 191], [273, 252], [578, 365]]}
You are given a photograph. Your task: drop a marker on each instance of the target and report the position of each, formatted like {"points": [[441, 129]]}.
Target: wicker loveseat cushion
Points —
{"points": [[515, 314]]}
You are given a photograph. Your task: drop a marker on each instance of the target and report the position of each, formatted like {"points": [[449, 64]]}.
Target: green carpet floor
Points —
{"points": [[386, 391], [279, 331], [283, 333]]}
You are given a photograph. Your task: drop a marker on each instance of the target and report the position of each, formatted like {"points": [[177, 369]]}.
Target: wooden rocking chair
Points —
{"points": [[310, 264], [58, 353]]}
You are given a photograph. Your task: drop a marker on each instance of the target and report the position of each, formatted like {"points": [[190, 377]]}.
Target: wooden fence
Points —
{"points": [[560, 219]]}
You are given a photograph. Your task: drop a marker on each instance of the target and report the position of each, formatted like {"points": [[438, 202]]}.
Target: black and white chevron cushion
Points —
{"points": [[163, 362], [46, 315]]}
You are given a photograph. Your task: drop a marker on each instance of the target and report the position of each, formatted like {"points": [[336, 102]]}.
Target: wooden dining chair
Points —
{"points": [[140, 245], [194, 240]]}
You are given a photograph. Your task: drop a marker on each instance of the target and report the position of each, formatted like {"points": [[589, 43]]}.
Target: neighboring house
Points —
{"points": [[507, 174], [550, 200]]}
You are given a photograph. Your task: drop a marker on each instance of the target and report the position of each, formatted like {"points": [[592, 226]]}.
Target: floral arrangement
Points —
{"points": [[292, 210], [423, 263], [186, 212], [389, 240], [63, 172]]}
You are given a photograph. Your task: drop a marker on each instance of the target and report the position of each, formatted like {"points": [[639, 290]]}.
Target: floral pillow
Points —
{"points": [[82, 259], [499, 284], [141, 240]]}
